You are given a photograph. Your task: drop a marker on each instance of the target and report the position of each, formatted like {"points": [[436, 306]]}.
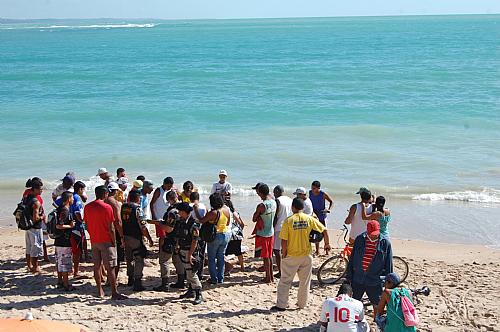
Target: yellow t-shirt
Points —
{"points": [[295, 231]]}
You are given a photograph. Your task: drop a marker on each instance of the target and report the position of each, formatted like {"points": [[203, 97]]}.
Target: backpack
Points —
{"points": [[22, 213], [51, 224], [208, 230], [409, 312]]}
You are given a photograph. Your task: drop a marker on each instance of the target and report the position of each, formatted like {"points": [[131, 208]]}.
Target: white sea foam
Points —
{"points": [[487, 195], [92, 26]]}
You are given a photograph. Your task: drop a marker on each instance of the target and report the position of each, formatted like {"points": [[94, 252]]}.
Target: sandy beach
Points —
{"points": [[463, 278]]}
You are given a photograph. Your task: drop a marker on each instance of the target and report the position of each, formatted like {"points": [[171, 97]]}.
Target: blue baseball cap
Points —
{"points": [[393, 278]]}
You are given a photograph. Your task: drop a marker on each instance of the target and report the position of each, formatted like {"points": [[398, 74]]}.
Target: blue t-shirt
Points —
{"points": [[383, 221], [144, 203], [75, 208]]}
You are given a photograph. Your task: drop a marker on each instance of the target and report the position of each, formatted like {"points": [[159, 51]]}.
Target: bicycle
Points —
{"points": [[335, 268]]}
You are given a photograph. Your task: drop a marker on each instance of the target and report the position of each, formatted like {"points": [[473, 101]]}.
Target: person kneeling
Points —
{"points": [[134, 228]]}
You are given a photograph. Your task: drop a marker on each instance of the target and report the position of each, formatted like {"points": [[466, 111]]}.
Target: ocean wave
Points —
{"points": [[487, 195], [92, 26]]}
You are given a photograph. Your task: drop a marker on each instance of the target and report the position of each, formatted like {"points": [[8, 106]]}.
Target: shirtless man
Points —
{"points": [[116, 206]]}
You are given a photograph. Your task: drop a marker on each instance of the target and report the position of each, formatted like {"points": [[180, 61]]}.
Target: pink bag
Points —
{"points": [[409, 312]]}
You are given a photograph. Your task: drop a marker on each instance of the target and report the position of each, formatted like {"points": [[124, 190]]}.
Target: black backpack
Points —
{"points": [[208, 231], [51, 224], [23, 212]]}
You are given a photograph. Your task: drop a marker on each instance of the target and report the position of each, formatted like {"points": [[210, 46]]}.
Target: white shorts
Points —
{"points": [[64, 259], [277, 241], [34, 242]]}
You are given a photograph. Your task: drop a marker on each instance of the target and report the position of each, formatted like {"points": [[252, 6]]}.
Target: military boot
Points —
{"points": [[198, 297]]}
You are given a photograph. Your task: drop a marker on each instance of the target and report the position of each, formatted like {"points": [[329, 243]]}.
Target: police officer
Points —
{"points": [[134, 228], [168, 250], [188, 236]]}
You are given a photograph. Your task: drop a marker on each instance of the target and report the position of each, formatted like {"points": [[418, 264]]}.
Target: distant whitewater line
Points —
{"points": [[92, 26], [487, 195]]}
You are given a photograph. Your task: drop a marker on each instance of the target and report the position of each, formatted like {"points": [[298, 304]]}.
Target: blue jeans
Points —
{"points": [[216, 250]]}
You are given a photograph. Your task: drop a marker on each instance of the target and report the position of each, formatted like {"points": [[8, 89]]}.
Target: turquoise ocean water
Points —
{"points": [[409, 106]]}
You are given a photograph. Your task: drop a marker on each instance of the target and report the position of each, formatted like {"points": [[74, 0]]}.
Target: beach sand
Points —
{"points": [[463, 279]]}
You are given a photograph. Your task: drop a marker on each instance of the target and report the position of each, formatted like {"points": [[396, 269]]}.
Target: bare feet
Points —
{"points": [[118, 296], [100, 293]]}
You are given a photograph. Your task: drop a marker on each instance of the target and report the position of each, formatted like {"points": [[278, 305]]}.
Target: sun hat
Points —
{"points": [[101, 171], [137, 184], [373, 228], [300, 190]]}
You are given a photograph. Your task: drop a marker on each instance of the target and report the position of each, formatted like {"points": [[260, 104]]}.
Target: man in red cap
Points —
{"points": [[371, 259]]}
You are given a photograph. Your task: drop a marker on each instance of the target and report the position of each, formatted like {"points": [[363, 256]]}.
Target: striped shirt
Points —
{"points": [[370, 250]]}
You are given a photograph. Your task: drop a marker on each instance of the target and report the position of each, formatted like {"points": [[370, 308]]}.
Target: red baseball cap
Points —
{"points": [[373, 228]]}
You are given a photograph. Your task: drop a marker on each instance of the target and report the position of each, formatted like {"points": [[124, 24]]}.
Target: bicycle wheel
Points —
{"points": [[400, 266], [332, 270]]}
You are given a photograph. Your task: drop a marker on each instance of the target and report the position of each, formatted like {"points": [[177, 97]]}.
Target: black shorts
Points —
{"points": [[234, 248]]}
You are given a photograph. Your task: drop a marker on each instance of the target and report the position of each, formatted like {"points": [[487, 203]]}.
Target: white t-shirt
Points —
{"points": [[284, 211], [221, 188], [358, 225], [59, 190], [343, 314], [308, 207], [202, 210]]}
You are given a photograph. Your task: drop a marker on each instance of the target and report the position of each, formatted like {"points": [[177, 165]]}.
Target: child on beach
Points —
{"points": [[62, 242]]}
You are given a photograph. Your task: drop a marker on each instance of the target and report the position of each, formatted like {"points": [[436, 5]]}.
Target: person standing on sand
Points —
{"points": [[355, 216], [34, 235], [202, 211], [301, 193], [116, 206], [147, 188], [100, 218], [64, 226], [296, 255], [219, 215], [104, 175], [234, 245], [187, 189], [121, 195], [134, 228], [283, 211], [318, 198], [28, 191], [380, 213], [77, 236], [371, 258], [190, 252], [66, 185], [120, 173], [264, 239], [222, 186], [159, 206]]}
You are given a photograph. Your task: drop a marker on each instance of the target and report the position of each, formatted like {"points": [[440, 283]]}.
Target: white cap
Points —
{"points": [[113, 186], [101, 171], [300, 190], [223, 172], [122, 180]]}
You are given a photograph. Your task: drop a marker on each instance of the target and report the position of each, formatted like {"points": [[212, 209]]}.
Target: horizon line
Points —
{"points": [[244, 18]]}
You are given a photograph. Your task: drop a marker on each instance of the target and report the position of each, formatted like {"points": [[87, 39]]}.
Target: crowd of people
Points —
{"points": [[190, 233]]}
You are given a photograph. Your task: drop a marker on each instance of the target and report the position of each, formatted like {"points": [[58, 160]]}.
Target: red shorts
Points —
{"points": [[159, 232], [265, 246], [76, 244]]}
